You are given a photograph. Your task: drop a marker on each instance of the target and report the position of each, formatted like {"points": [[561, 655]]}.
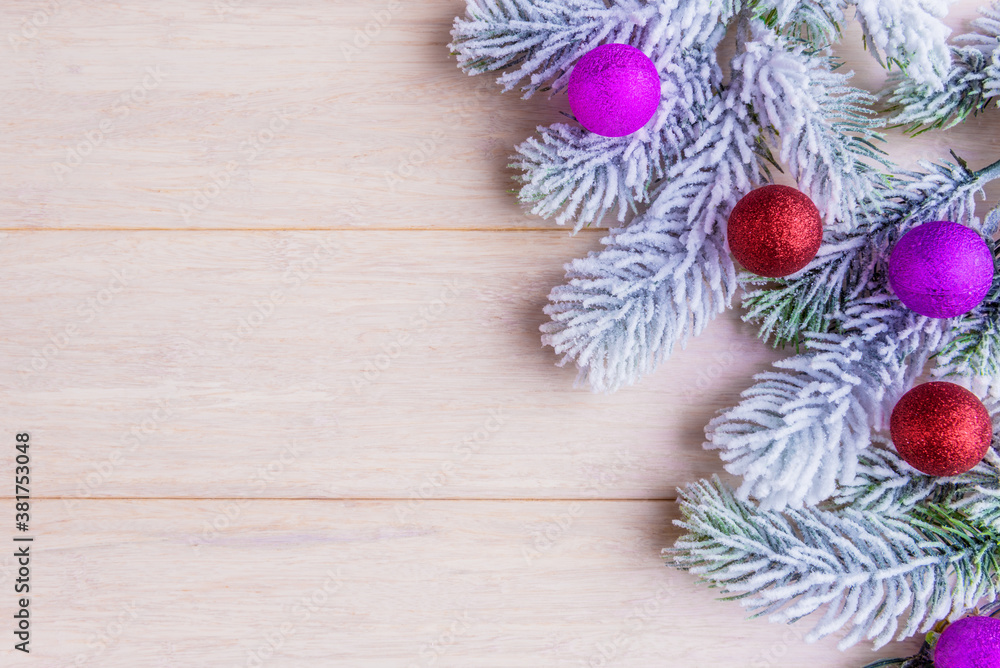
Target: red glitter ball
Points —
{"points": [[941, 429], [775, 231]]}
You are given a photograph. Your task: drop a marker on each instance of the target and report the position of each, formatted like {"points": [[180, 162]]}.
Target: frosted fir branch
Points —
{"points": [[992, 222], [908, 34], [886, 484], [817, 22], [964, 94], [535, 40], [539, 40], [850, 264], [663, 278], [578, 175], [572, 174], [973, 348], [827, 135], [972, 81], [869, 572], [989, 27], [825, 126], [924, 658], [789, 309], [798, 431]]}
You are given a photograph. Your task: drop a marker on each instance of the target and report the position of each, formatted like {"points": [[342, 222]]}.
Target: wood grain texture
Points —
{"points": [[178, 364], [346, 583], [270, 314], [255, 116]]}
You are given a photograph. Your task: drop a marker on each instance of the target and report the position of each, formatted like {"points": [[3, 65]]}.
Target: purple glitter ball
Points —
{"points": [[941, 269], [614, 90], [973, 642]]}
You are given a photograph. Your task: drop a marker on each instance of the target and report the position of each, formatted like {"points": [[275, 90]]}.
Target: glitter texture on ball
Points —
{"points": [[775, 231], [614, 90], [941, 429], [941, 269], [973, 642]]}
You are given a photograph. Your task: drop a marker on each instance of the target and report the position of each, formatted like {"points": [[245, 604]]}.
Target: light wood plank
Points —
{"points": [[391, 369], [451, 586], [394, 137], [153, 397]]}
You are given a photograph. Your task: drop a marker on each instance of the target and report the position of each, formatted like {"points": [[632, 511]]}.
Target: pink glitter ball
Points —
{"points": [[973, 642], [941, 269], [614, 90]]}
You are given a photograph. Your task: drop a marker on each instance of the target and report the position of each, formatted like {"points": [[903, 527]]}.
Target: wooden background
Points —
{"points": [[271, 319]]}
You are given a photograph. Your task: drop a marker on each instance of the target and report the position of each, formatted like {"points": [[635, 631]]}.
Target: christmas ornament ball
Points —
{"points": [[941, 269], [941, 429], [775, 231], [973, 642], [614, 90]]}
